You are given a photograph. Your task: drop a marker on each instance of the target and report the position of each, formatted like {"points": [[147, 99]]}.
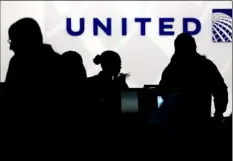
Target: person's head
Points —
{"points": [[185, 44], [74, 63], [110, 62], [24, 34], [73, 57]]}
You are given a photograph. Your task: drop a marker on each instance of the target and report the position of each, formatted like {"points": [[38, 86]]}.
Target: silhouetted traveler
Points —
{"points": [[75, 87], [110, 62], [187, 86], [196, 79], [106, 86], [33, 81], [75, 69]]}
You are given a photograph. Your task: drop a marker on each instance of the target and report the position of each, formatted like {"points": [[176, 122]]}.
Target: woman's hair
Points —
{"points": [[97, 59], [107, 57]]}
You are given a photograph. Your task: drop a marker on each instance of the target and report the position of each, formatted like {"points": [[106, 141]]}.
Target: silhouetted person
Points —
{"points": [[196, 79], [106, 86], [187, 86], [33, 82], [75, 69], [75, 85], [110, 62]]}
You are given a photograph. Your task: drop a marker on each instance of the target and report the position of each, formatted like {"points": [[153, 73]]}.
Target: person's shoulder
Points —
{"points": [[48, 49], [13, 60], [205, 59], [93, 78], [169, 69], [208, 62]]}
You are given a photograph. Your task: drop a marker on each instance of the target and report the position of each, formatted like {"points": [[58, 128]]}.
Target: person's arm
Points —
{"points": [[166, 84], [219, 91]]}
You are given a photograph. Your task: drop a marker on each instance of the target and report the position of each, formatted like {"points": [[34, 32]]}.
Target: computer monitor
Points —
{"points": [[160, 101], [139, 100], [129, 101]]}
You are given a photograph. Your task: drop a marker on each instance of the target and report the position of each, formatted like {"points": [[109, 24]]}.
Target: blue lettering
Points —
{"points": [[162, 26], [107, 29], [124, 26], [143, 24], [69, 27], [165, 26], [193, 20]]}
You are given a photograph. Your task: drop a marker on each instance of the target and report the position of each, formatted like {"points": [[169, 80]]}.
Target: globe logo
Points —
{"points": [[222, 25]]}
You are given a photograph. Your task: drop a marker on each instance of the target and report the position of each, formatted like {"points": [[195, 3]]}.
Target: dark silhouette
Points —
{"points": [[75, 69], [46, 90], [110, 62], [75, 87], [187, 86], [106, 86], [34, 78], [196, 79]]}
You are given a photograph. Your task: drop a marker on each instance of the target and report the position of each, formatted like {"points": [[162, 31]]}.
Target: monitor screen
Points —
{"points": [[135, 100], [160, 101], [129, 102]]}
